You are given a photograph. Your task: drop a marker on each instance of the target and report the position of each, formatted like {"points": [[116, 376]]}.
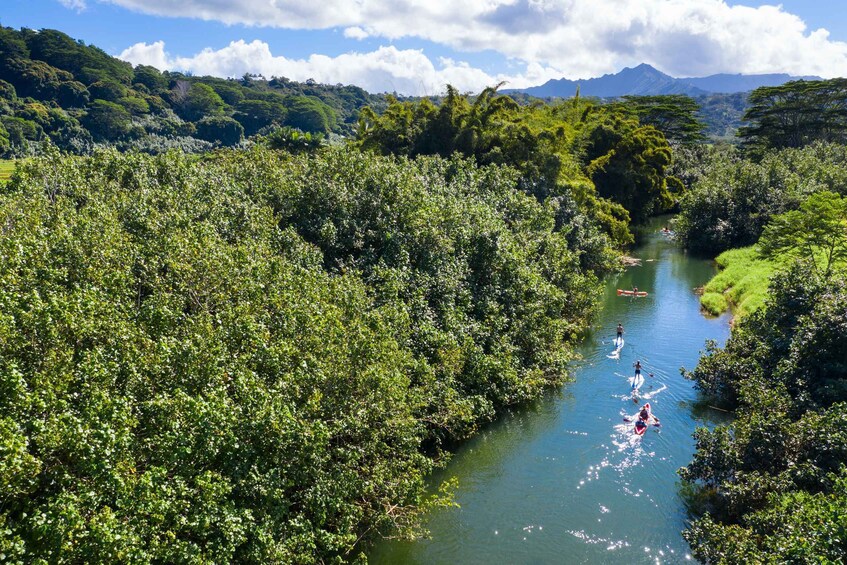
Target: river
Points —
{"points": [[564, 480]]}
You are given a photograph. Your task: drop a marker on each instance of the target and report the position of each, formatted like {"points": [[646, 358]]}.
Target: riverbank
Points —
{"points": [[742, 284]]}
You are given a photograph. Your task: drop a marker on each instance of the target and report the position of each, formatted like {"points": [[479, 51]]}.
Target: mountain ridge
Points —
{"points": [[644, 80]]}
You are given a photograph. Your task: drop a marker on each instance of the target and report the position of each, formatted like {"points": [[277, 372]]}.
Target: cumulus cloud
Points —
{"points": [[583, 37], [356, 32], [386, 69]]}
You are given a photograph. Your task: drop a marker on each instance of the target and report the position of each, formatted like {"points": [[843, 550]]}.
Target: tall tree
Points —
{"points": [[674, 115], [817, 231], [201, 101], [796, 114]]}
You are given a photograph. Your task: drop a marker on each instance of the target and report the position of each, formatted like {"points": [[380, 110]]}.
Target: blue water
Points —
{"points": [[565, 480]]}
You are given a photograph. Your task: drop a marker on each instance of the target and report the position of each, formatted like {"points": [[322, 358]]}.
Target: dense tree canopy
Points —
{"points": [[796, 114], [773, 481], [55, 70], [732, 199], [254, 357], [561, 150]]}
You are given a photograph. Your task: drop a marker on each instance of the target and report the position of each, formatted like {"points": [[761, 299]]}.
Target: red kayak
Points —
{"points": [[631, 293]]}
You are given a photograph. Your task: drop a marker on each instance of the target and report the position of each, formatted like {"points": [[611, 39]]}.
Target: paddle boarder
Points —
{"points": [[620, 333], [646, 414]]}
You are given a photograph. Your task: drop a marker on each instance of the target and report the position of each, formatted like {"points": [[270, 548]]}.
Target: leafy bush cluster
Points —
{"points": [[774, 481], [732, 199], [255, 356], [77, 96]]}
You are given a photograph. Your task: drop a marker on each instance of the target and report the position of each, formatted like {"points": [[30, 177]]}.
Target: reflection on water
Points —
{"points": [[566, 480]]}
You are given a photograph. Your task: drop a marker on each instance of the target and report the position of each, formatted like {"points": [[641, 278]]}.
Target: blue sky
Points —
{"points": [[417, 46]]}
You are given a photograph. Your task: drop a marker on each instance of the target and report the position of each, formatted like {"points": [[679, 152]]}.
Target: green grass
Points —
{"points": [[742, 283], [714, 303], [6, 168]]}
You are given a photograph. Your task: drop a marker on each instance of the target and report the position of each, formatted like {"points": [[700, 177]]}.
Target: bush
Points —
{"points": [[222, 130], [106, 120]]}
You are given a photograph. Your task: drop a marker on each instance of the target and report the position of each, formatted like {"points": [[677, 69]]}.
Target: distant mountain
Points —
{"points": [[728, 84], [647, 80]]}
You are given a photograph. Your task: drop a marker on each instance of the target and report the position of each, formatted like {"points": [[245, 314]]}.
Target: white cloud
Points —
{"points": [[356, 32], [152, 54], [583, 37], [78, 5], [386, 69]]}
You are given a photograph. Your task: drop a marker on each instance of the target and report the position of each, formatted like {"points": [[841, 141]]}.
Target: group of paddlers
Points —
{"points": [[645, 415]]}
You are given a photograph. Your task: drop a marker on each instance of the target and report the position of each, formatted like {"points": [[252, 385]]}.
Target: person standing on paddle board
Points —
{"points": [[620, 333], [637, 367]]}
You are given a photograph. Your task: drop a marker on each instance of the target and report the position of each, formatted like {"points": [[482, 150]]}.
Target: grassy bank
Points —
{"points": [[742, 283], [6, 168], [744, 280]]}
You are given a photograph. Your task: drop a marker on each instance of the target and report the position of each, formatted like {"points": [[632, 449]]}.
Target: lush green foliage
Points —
{"points": [[254, 357], [795, 114], [774, 481], [104, 100], [600, 156], [730, 203], [815, 234], [627, 163], [675, 115], [818, 230], [722, 115], [294, 141]]}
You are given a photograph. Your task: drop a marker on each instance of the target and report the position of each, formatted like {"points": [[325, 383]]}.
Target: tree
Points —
{"points": [[200, 101], [256, 114], [795, 114], [816, 232], [674, 115], [5, 143], [87, 63], [107, 90], [12, 45], [776, 492], [106, 120], [309, 114], [220, 129], [294, 141], [627, 164], [33, 78], [7, 91], [150, 77], [73, 95]]}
